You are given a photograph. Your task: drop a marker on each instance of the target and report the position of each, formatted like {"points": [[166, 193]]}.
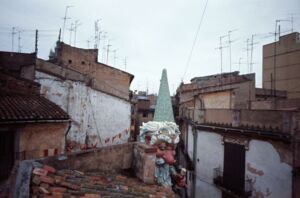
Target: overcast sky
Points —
{"points": [[153, 34]]}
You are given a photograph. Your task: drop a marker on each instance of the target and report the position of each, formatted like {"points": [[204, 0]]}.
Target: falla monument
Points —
{"points": [[162, 133]]}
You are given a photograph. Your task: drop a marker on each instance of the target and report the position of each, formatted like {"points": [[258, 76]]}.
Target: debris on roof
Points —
{"points": [[47, 181]]}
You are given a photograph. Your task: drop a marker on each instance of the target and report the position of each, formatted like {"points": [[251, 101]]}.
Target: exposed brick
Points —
{"points": [[44, 185], [58, 189], [47, 180], [50, 169], [39, 171], [69, 185], [58, 195], [43, 190], [36, 180], [92, 196]]}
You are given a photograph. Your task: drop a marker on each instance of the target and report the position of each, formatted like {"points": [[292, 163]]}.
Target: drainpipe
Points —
{"points": [[67, 132]]}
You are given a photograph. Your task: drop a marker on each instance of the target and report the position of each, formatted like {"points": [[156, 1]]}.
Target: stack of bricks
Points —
{"points": [[49, 182]]}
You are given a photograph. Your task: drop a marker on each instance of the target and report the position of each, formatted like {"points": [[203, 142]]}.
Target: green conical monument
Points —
{"points": [[163, 108]]}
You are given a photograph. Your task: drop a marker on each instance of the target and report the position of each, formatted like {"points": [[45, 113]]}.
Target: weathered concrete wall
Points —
{"points": [[210, 155], [37, 137], [144, 162], [116, 157], [270, 174], [94, 114], [218, 100]]}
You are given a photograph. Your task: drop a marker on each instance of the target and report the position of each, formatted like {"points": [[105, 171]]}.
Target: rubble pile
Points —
{"points": [[49, 182]]}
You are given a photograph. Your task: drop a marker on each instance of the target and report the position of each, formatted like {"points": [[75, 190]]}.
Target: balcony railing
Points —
{"points": [[218, 180]]}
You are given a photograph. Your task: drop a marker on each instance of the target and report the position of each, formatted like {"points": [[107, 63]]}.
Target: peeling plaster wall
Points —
{"points": [[93, 113], [190, 142], [210, 155], [266, 165], [270, 176]]}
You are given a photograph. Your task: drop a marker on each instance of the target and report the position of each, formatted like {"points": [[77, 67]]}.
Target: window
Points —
{"points": [[70, 61], [145, 114]]}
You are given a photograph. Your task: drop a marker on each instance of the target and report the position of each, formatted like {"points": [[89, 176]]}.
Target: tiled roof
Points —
{"points": [[24, 108], [72, 183]]}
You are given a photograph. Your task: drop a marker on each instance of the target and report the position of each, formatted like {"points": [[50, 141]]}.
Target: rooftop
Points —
{"points": [[63, 183], [28, 108]]}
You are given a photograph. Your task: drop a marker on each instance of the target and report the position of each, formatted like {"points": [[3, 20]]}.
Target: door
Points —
{"points": [[234, 168], [6, 153]]}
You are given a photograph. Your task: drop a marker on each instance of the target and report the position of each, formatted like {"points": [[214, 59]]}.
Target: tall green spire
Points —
{"points": [[163, 108]]}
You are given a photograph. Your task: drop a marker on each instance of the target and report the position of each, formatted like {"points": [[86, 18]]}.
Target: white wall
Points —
{"points": [[190, 143], [210, 153], [272, 178], [93, 112]]}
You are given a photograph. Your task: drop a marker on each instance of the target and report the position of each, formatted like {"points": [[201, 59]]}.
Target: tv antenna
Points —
{"points": [[65, 20]]}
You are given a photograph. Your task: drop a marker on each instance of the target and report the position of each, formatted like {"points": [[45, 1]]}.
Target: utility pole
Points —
{"points": [[104, 49], [19, 41], [13, 32], [65, 20], [71, 30]]}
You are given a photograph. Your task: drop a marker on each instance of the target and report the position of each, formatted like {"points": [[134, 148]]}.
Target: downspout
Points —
{"points": [[67, 132]]}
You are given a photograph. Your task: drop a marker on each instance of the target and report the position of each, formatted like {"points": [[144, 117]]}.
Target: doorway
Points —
{"points": [[234, 169], [6, 153]]}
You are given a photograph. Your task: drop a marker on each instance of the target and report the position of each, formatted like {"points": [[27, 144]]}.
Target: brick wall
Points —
{"points": [[105, 78]]}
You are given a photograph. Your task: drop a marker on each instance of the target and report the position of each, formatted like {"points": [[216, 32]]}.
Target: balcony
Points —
{"points": [[218, 181]]}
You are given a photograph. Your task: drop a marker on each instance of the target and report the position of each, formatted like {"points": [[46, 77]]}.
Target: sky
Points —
{"points": [[152, 35]]}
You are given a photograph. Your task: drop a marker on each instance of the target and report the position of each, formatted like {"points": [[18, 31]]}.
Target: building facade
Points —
{"points": [[232, 146], [281, 65]]}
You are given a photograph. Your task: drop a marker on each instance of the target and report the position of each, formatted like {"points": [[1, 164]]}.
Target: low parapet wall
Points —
{"points": [[136, 156]]}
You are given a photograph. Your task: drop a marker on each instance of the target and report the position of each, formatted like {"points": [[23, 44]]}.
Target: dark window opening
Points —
{"points": [[82, 62], [70, 61]]}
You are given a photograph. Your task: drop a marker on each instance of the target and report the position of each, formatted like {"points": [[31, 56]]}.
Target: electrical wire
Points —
{"points": [[195, 41]]}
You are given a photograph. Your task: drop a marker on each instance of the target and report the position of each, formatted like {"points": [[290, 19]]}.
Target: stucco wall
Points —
{"points": [[37, 137], [210, 155], [93, 113], [190, 138], [271, 177]]}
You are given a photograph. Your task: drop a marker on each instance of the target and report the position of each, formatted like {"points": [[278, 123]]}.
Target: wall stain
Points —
{"points": [[254, 170]]}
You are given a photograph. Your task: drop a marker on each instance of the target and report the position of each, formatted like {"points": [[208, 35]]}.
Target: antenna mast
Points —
{"points": [[65, 20], [13, 32]]}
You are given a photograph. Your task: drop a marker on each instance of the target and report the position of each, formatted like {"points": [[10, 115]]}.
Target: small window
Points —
{"points": [[82, 62], [70, 61]]}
